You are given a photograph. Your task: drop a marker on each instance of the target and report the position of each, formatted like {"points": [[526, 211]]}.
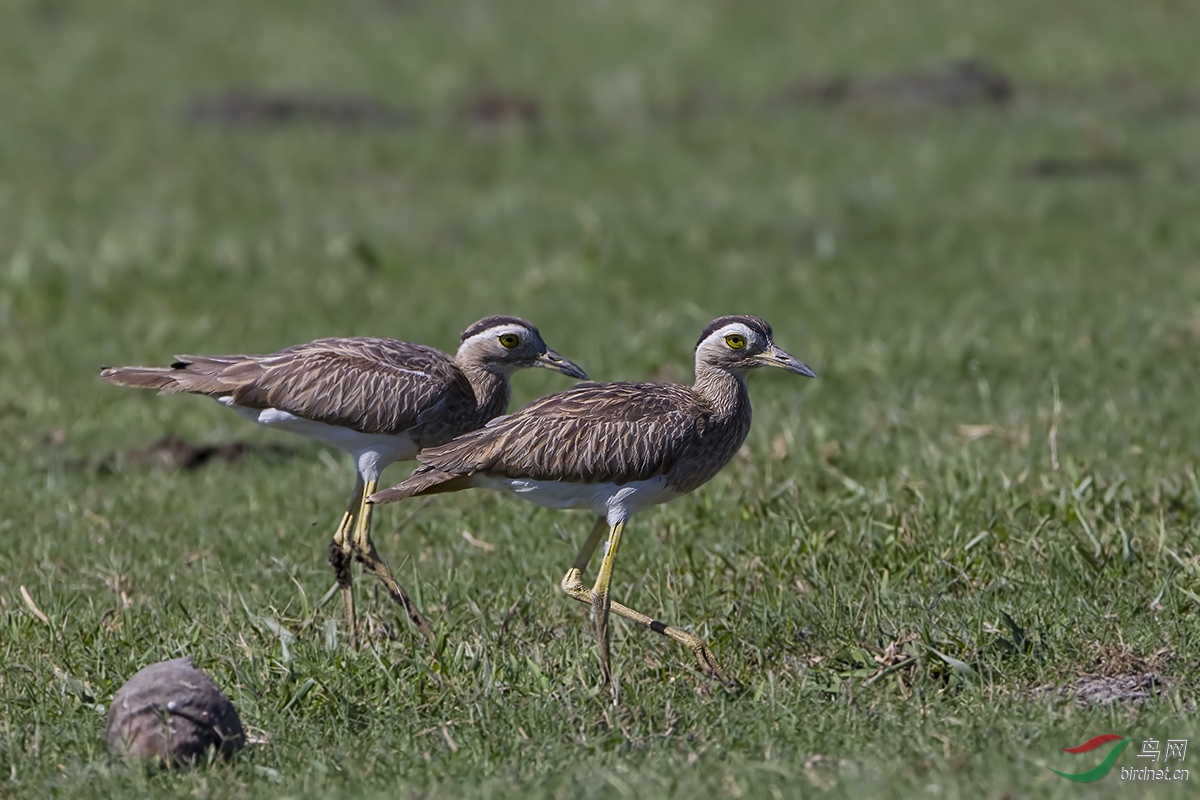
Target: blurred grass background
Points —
{"points": [[951, 248]]}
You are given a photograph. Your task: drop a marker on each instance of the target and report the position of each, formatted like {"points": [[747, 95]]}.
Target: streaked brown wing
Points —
{"points": [[366, 384], [590, 433]]}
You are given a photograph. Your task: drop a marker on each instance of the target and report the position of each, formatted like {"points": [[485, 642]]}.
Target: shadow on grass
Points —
{"points": [[174, 452]]}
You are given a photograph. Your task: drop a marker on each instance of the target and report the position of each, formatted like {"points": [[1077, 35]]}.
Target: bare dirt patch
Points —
{"points": [[1107, 690], [957, 85], [1118, 675], [1088, 166], [174, 452], [249, 108], [495, 107]]}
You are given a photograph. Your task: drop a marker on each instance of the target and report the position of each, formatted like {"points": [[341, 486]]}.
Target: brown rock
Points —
{"points": [[172, 712]]}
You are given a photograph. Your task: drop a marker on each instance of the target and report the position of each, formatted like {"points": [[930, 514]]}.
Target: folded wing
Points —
{"points": [[366, 384], [591, 433]]}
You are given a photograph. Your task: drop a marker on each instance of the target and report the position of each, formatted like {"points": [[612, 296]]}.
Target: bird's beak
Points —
{"points": [[778, 358], [552, 360]]}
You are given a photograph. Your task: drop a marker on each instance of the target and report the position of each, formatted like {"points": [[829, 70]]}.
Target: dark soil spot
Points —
{"points": [[245, 108], [1098, 166], [173, 452], [964, 83], [493, 107], [691, 106], [49, 12], [11, 409], [1185, 105]]}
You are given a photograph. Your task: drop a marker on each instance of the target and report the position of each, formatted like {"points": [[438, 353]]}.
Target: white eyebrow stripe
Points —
{"points": [[737, 327], [495, 331]]}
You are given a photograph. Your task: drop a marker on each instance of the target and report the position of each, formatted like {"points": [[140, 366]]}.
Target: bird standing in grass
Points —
{"points": [[614, 449], [380, 400]]}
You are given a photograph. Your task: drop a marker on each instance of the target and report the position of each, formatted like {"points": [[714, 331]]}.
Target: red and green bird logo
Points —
{"points": [[1100, 770]]}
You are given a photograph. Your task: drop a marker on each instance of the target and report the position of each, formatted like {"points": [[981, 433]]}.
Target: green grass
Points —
{"points": [[927, 490]]}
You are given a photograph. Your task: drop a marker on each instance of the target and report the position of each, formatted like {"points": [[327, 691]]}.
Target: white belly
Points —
{"points": [[372, 451], [616, 503]]}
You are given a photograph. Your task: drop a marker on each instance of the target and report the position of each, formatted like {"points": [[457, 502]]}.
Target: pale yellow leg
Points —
{"points": [[572, 584], [340, 556], [364, 548], [602, 603]]}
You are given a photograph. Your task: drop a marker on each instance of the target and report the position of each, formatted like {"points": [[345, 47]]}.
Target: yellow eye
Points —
{"points": [[735, 341], [509, 340]]}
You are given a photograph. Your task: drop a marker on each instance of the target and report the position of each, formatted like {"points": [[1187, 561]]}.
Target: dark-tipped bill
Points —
{"points": [[779, 358], [552, 360]]}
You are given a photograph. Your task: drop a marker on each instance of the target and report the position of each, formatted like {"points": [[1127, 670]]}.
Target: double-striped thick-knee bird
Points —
{"points": [[614, 449], [380, 400]]}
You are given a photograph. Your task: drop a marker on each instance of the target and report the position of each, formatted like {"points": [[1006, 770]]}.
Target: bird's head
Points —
{"points": [[506, 344], [740, 343]]}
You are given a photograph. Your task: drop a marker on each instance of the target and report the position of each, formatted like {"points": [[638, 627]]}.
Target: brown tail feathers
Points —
{"points": [[141, 377], [199, 377], [426, 480]]}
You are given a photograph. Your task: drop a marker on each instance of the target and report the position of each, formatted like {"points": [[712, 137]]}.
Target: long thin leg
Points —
{"points": [[575, 573], [602, 603], [340, 556], [704, 655], [572, 584], [364, 548], [574, 577]]}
